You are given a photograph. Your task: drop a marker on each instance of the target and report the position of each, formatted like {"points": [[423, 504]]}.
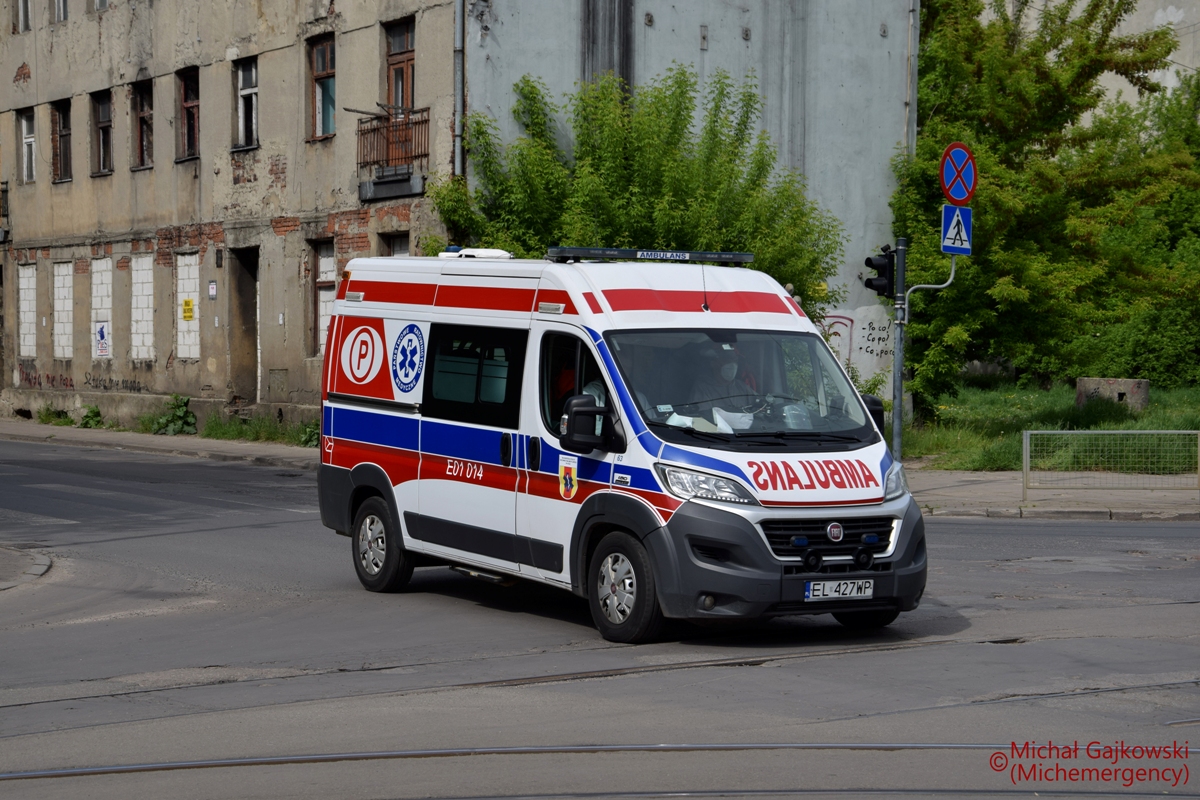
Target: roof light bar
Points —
{"points": [[564, 254]]}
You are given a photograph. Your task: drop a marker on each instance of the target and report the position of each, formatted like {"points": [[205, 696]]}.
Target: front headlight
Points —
{"points": [[685, 484], [896, 483]]}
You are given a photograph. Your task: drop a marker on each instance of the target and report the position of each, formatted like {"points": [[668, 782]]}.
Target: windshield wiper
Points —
{"points": [[712, 436], [816, 435]]}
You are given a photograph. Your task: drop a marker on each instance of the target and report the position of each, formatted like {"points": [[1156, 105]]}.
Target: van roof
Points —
{"points": [[599, 295]]}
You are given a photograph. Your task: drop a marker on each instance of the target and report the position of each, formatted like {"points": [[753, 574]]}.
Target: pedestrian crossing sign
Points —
{"points": [[956, 230]]}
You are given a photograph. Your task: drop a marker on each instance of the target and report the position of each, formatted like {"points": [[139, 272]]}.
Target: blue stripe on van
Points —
{"points": [[373, 427], [327, 420], [461, 441], [639, 478], [627, 403], [681, 456], [885, 464], [590, 469]]}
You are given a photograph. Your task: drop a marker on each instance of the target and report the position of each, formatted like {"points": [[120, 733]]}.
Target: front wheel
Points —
{"points": [[379, 557], [621, 591], [866, 620]]}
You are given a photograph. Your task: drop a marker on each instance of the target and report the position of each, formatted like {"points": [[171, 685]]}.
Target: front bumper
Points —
{"points": [[749, 581]]}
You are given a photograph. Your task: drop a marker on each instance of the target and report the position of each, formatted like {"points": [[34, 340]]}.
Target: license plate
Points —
{"points": [[838, 590]]}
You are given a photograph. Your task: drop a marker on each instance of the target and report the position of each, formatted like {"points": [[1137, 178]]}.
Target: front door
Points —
{"points": [[469, 417], [557, 482]]}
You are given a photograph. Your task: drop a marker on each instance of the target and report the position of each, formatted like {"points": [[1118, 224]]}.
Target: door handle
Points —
{"points": [[535, 453], [506, 449]]}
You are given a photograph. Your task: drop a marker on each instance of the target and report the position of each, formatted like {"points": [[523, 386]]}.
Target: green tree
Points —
{"points": [[642, 173], [1068, 235]]}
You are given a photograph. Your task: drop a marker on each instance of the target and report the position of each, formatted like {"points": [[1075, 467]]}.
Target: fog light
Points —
{"points": [[863, 558], [812, 560], [708, 601]]}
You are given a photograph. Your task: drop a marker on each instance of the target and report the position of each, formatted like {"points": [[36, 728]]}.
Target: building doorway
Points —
{"points": [[244, 346]]}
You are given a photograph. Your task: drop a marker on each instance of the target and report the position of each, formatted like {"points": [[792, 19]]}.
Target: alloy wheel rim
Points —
{"points": [[617, 585], [372, 544]]}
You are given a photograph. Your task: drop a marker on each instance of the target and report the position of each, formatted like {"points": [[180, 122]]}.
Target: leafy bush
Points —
{"points": [[48, 415], [262, 429], [175, 418], [643, 174], [91, 418]]}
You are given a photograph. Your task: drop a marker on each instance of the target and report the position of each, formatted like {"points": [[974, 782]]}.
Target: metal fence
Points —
{"points": [[1110, 460]]}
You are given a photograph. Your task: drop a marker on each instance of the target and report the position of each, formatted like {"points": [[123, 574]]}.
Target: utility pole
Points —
{"points": [[898, 349]]}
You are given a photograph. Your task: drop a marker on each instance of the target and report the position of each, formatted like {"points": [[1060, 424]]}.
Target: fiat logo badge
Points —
{"points": [[835, 531]]}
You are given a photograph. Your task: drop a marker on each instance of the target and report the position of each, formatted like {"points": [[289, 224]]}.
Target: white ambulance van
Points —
{"points": [[663, 439]]}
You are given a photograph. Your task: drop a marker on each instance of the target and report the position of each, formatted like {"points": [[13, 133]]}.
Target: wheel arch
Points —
{"points": [[369, 480], [601, 514]]}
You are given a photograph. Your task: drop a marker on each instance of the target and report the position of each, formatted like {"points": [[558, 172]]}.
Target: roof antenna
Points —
{"points": [[704, 282]]}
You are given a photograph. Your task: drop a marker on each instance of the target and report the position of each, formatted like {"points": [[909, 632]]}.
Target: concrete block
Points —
{"points": [[957, 512], [1135, 395], [1004, 513], [1162, 516]]}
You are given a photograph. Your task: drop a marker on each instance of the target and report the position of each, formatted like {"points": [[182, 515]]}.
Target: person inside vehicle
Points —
{"points": [[718, 384]]}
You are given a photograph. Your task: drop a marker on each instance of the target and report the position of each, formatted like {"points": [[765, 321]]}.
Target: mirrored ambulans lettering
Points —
{"points": [[837, 473]]}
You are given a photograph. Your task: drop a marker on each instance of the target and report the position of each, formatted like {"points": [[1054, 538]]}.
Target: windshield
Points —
{"points": [[741, 389]]}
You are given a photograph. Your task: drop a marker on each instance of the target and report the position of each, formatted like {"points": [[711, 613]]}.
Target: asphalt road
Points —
{"points": [[198, 610]]}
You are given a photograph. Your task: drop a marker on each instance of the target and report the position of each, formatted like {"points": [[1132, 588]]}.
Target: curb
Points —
{"points": [[1093, 514], [40, 566], [290, 462]]}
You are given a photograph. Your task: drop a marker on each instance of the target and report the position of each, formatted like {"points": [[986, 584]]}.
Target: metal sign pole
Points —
{"points": [[898, 349]]}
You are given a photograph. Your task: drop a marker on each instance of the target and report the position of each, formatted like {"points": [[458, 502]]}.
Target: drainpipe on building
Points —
{"points": [[459, 84], [910, 102]]}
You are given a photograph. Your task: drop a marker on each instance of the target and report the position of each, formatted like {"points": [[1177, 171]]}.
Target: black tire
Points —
{"points": [[376, 534], [627, 609], [866, 620]]}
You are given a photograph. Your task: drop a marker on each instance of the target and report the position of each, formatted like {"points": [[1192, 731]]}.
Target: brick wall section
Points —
{"points": [[123, 263], [285, 225], [82, 266], [23, 74], [401, 213], [202, 235]]}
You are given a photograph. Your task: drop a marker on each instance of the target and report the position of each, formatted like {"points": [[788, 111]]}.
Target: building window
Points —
{"points": [[28, 145], [393, 244], [324, 94], [143, 132], [102, 302], [60, 128], [102, 141], [326, 291], [189, 113], [246, 73], [141, 333], [60, 10], [22, 20], [101, 5], [400, 64], [187, 288], [64, 310], [27, 310]]}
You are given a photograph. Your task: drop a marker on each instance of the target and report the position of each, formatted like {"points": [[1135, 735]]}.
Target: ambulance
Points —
{"points": [[664, 434]]}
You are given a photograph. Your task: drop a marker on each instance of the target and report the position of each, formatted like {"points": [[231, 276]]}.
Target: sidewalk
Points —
{"points": [[20, 566], [940, 492], [263, 453], [998, 494]]}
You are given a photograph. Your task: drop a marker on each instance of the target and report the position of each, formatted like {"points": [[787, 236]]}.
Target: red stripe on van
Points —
{"points": [[413, 294], [593, 303], [493, 298], [796, 307], [682, 301], [556, 296]]}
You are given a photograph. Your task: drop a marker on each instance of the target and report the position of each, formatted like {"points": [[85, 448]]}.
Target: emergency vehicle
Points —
{"points": [[667, 439]]}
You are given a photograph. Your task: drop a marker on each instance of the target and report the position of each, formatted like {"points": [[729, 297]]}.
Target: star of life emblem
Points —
{"points": [[408, 358]]}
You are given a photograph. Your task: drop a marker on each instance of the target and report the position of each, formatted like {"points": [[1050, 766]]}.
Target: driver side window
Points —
{"points": [[567, 369]]}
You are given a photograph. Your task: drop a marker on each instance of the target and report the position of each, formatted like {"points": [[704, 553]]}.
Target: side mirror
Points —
{"points": [[586, 426], [875, 409]]}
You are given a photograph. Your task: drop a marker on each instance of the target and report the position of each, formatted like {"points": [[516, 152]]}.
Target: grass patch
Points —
{"points": [[980, 429], [262, 429], [48, 415]]}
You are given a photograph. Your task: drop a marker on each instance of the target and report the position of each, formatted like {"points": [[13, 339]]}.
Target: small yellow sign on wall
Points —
{"points": [[189, 309]]}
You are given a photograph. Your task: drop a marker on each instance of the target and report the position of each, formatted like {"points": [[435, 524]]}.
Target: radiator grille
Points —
{"points": [[780, 533]]}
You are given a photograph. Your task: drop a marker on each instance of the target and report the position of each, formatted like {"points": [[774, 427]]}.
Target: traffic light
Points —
{"points": [[885, 264]]}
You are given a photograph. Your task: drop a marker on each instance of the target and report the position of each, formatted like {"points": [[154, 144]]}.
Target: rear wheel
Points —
{"points": [[866, 620], [621, 591], [379, 556]]}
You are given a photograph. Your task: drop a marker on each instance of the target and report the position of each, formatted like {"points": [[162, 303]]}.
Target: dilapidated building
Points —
{"points": [[184, 181]]}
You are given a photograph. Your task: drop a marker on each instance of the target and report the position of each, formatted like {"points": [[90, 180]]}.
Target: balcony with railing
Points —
{"points": [[394, 146]]}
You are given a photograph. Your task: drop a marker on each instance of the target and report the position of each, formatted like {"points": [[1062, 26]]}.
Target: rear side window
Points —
{"points": [[475, 375]]}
